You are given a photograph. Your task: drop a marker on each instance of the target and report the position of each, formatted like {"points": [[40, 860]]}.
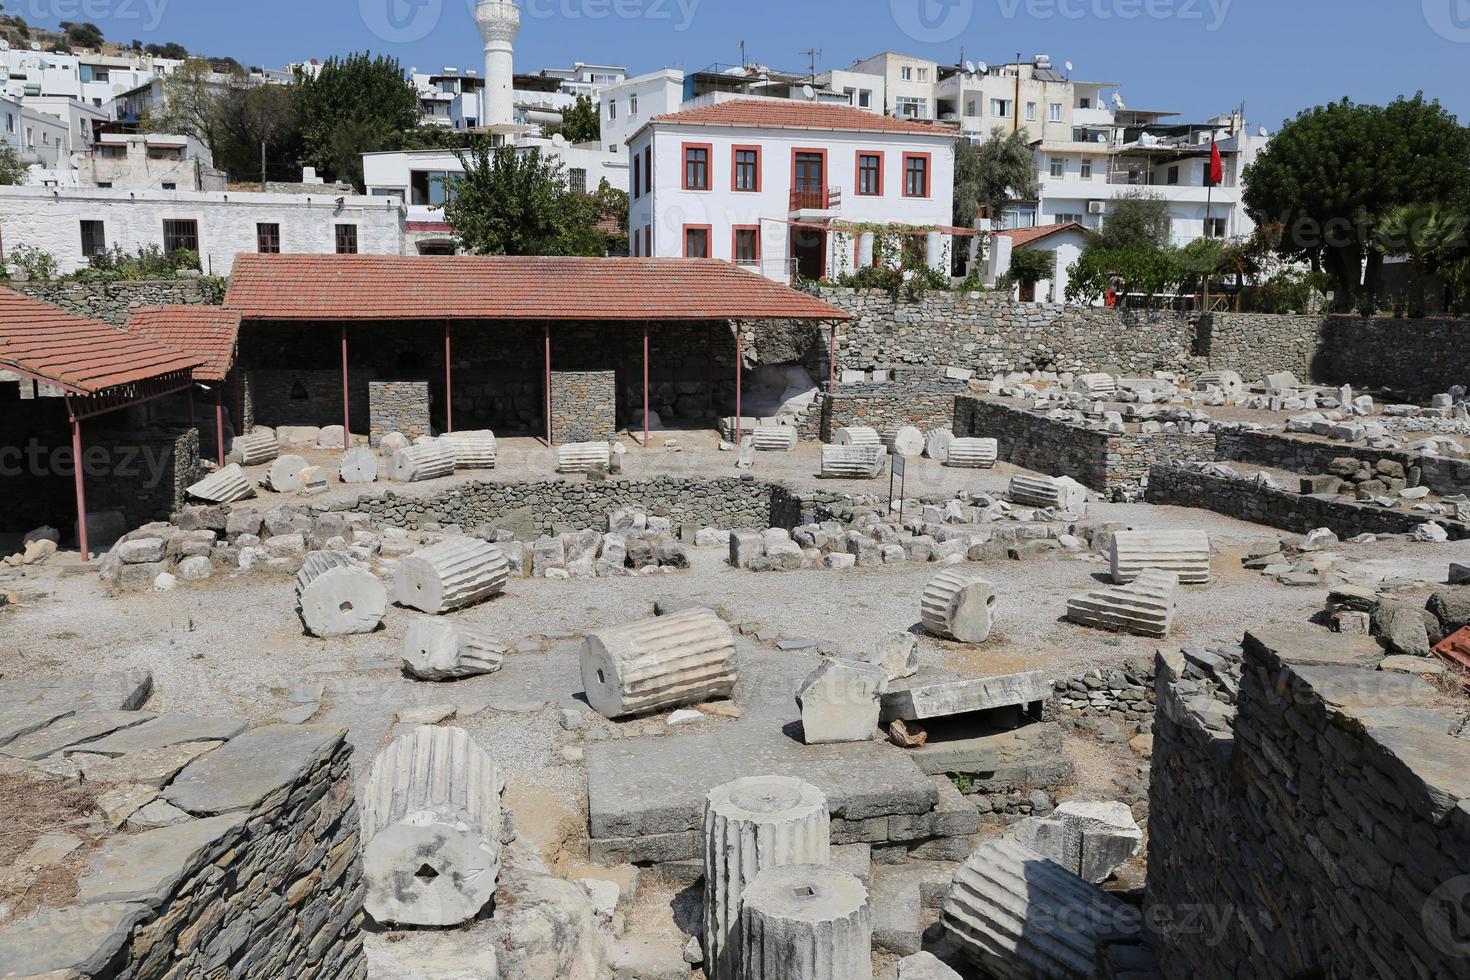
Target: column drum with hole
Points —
{"points": [[431, 829], [805, 922], [959, 606], [659, 663], [450, 575], [335, 596]]}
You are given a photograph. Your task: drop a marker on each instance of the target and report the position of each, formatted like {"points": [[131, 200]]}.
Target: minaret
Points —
{"points": [[499, 22]]}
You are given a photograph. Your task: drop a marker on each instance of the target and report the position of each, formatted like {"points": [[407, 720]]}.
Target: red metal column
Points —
{"points": [[76, 465], [219, 422], [548, 386], [645, 385], [346, 409], [739, 384], [448, 382]]}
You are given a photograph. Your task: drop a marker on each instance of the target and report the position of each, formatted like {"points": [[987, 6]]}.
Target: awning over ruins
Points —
{"points": [[209, 333], [460, 288]]}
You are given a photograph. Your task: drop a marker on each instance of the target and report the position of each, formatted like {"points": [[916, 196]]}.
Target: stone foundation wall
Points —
{"points": [[1117, 466], [1308, 456], [398, 406], [1315, 827], [114, 302], [259, 877], [1283, 509], [305, 396], [532, 510], [923, 398], [584, 406], [1417, 358]]}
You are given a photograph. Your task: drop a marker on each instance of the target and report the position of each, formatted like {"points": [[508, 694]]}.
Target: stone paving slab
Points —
{"points": [[169, 730], [107, 691], [966, 696], [1318, 647], [75, 941], [245, 771], [73, 730], [147, 867]]}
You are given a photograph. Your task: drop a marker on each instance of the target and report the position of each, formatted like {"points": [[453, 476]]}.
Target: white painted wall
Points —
{"points": [[670, 208], [50, 219], [626, 108]]}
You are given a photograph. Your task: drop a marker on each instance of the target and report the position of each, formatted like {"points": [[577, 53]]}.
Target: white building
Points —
{"points": [[1063, 243], [450, 98], [626, 108], [909, 83], [75, 223], [787, 187]]}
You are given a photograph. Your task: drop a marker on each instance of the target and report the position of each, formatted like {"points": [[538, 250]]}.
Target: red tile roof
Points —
{"points": [[1025, 236], [788, 114], [468, 287], [85, 356], [207, 332]]}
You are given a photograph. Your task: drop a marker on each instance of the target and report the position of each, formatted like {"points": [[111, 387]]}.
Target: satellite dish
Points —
{"points": [[808, 92], [1069, 66], [1102, 137], [982, 68], [558, 140], [35, 45], [970, 67], [1265, 131]]}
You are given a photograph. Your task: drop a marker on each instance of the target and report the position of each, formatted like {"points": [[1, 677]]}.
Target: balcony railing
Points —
{"points": [[816, 199]]}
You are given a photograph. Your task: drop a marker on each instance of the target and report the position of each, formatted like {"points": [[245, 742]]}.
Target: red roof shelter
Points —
{"points": [[211, 333], [99, 368], [442, 290]]}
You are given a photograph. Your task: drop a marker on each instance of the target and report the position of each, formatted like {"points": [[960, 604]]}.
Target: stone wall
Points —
{"points": [[1284, 509], [398, 406], [113, 302], [987, 333], [1417, 358], [921, 397], [256, 872], [584, 406], [1311, 456], [1314, 825], [305, 396], [532, 510], [1116, 465]]}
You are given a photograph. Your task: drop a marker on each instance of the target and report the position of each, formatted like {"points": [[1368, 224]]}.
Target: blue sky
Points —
{"points": [[1198, 57]]}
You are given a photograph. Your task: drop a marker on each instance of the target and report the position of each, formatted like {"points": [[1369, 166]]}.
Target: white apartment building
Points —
{"points": [[787, 187], [74, 224], [909, 83], [449, 98], [626, 108]]}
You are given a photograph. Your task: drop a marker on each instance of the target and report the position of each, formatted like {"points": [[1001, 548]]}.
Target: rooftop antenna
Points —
{"points": [[743, 64], [813, 54]]}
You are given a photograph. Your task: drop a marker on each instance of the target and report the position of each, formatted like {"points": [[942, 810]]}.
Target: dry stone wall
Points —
{"points": [[1313, 825], [1441, 474], [584, 406], [1284, 509], [1417, 358], [114, 302], [921, 397], [398, 406]]}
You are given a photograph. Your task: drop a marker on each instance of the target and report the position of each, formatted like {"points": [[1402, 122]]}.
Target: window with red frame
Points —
{"points": [[648, 170], [747, 169], [696, 168], [747, 246], [916, 176], [637, 177], [696, 243], [870, 174]]}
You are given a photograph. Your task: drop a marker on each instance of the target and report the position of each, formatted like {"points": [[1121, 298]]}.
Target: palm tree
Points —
{"points": [[1431, 235]]}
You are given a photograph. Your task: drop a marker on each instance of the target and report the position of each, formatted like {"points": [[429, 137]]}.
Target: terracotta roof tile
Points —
{"points": [[86, 356], [466, 287], [788, 114], [207, 332], [1025, 236]]}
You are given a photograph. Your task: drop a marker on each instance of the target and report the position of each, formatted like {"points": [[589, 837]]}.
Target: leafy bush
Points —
{"points": [[31, 263], [150, 262], [1028, 267]]}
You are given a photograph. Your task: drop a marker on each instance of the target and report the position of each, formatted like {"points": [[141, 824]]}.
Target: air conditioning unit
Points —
{"points": [[1097, 207]]}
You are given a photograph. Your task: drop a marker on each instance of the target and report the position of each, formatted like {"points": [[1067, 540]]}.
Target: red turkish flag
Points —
{"points": [[1217, 165]]}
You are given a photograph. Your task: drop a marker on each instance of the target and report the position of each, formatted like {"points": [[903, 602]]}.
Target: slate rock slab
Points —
{"points": [[74, 941], [168, 730], [147, 867], [77, 729], [243, 772]]}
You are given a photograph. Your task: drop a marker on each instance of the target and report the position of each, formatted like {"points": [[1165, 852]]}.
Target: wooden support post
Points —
{"points": [[76, 464], [739, 385], [448, 381], [549, 433], [346, 405], [645, 385]]}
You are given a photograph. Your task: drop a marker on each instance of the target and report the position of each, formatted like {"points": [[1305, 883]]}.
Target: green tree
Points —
{"points": [[1029, 266], [172, 50], [580, 122], [354, 106], [191, 104], [1333, 173], [1136, 219], [1433, 238], [510, 202], [83, 35], [430, 138], [258, 119], [1004, 171], [12, 170], [967, 201]]}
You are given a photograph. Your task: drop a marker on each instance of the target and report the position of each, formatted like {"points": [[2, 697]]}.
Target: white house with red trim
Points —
{"points": [[788, 187]]}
